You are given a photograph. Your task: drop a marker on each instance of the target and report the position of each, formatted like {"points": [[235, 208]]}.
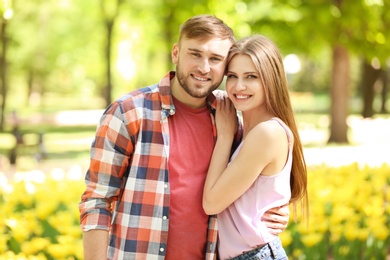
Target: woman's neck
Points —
{"points": [[252, 118]]}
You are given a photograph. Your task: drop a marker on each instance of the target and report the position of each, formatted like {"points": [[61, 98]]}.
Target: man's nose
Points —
{"points": [[204, 66]]}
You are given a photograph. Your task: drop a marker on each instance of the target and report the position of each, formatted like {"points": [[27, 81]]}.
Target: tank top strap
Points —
{"points": [[286, 129]]}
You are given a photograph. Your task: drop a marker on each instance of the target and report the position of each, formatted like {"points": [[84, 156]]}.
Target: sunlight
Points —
{"points": [[125, 64], [292, 64], [79, 117], [36, 176]]}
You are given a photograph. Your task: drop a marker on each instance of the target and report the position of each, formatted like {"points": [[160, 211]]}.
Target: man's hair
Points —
{"points": [[204, 27]]}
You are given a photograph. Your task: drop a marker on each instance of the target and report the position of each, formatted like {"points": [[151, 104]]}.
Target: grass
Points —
{"points": [[62, 147], [65, 144]]}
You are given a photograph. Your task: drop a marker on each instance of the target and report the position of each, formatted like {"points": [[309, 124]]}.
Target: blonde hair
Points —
{"points": [[268, 61], [205, 27]]}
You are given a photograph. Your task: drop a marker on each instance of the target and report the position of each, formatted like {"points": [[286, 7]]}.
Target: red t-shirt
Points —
{"points": [[191, 147]]}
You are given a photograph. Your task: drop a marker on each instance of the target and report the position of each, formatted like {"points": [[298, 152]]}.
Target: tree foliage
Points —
{"points": [[61, 48]]}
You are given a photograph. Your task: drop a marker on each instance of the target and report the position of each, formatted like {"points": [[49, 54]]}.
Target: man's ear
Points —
{"points": [[175, 53]]}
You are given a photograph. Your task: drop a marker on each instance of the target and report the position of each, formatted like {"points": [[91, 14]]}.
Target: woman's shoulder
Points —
{"points": [[273, 128]]}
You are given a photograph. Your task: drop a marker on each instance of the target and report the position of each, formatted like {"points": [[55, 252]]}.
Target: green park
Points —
{"points": [[64, 61]]}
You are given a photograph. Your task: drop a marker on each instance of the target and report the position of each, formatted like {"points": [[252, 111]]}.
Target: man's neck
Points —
{"points": [[180, 94]]}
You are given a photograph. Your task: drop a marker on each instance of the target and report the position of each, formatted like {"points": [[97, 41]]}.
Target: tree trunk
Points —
{"points": [[385, 88], [3, 64], [108, 87], [339, 95], [369, 76], [109, 14]]}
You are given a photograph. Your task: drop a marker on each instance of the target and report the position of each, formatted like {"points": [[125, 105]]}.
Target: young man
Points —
{"points": [[150, 158]]}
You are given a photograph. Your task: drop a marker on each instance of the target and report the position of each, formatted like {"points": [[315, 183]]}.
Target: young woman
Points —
{"points": [[268, 168]]}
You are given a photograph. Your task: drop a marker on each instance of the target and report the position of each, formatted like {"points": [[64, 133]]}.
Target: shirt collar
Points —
{"points": [[166, 96]]}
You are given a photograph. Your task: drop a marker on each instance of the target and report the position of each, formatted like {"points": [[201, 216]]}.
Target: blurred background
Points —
{"points": [[63, 61]]}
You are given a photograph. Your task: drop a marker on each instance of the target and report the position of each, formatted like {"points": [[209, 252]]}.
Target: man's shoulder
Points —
{"points": [[138, 97], [139, 93]]}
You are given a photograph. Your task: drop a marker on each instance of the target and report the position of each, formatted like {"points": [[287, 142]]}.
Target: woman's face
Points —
{"points": [[243, 84]]}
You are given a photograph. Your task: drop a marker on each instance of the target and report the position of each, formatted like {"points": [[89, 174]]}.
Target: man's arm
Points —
{"points": [[276, 219], [95, 244]]}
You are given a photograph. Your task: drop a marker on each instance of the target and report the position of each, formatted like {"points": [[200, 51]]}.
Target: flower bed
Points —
{"points": [[349, 215]]}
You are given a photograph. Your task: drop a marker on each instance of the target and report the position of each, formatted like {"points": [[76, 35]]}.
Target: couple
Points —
{"points": [[162, 173]]}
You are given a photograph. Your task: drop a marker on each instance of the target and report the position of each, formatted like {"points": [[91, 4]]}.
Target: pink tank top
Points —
{"points": [[240, 226]]}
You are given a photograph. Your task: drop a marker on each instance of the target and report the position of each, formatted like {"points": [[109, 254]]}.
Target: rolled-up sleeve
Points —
{"points": [[109, 160]]}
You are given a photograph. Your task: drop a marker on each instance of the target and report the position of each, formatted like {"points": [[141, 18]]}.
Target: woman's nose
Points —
{"points": [[240, 85]]}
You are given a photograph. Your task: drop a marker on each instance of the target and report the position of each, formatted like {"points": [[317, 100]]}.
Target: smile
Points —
{"points": [[200, 78], [242, 96]]}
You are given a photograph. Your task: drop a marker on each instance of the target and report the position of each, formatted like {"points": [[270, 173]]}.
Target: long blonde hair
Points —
{"points": [[268, 61]]}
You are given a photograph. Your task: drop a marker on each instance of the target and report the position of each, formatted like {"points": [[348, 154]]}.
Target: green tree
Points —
{"points": [[6, 13], [54, 49], [313, 26]]}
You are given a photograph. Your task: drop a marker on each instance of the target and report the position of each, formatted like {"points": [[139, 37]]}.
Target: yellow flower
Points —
{"points": [[297, 253], [374, 208], [335, 237], [18, 231], [387, 194], [312, 239], [40, 256], [351, 232], [45, 208], [363, 234], [344, 250], [382, 233], [335, 233], [286, 238], [66, 247], [37, 244], [58, 251], [21, 195], [3, 242]]}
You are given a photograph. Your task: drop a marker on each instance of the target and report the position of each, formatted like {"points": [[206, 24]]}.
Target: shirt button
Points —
{"points": [[162, 249], [165, 186], [172, 111], [164, 217]]}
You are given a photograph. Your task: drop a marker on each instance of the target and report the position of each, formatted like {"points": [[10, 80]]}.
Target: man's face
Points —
{"points": [[200, 65]]}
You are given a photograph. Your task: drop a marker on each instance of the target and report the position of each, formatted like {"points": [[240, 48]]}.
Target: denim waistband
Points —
{"points": [[270, 249]]}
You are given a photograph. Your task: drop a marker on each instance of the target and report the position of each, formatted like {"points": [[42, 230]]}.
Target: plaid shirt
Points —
{"points": [[127, 189]]}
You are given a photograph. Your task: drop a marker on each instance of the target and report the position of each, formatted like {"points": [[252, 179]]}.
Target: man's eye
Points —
{"points": [[195, 54], [216, 59]]}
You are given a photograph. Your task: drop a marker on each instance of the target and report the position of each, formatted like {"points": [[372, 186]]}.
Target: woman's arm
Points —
{"points": [[260, 153]]}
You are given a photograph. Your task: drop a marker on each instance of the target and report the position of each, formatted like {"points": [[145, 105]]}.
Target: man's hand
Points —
{"points": [[276, 219]]}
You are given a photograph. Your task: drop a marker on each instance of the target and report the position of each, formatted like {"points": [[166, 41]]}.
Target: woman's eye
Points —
{"points": [[252, 77]]}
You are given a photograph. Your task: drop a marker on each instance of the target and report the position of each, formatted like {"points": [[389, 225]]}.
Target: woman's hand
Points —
{"points": [[226, 118]]}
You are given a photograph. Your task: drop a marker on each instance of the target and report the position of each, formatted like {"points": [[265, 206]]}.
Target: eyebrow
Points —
{"points": [[247, 72], [215, 54]]}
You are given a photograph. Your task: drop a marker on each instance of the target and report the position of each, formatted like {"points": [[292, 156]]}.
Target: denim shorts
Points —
{"points": [[271, 251]]}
